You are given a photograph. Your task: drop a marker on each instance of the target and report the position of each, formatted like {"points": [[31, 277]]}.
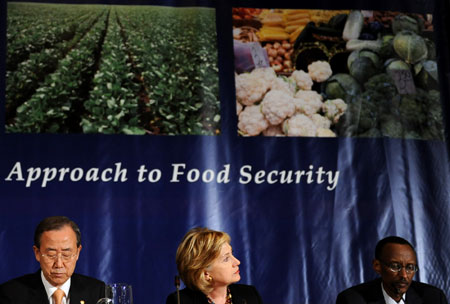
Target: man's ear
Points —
{"points": [[78, 252], [376, 265], [37, 253]]}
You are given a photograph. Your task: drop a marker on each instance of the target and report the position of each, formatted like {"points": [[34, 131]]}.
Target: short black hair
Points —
{"points": [[55, 223], [390, 240]]}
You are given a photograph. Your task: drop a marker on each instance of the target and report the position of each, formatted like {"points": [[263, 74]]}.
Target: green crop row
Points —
{"points": [[56, 106], [138, 70], [112, 106], [23, 82], [182, 45], [35, 27]]}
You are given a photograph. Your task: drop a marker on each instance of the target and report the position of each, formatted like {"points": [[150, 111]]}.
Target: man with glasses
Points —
{"points": [[57, 246], [396, 263]]}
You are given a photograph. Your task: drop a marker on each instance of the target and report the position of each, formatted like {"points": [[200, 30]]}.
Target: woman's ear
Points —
{"points": [[207, 276]]}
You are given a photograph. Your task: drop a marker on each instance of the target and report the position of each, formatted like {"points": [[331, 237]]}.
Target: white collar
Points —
{"points": [[50, 289], [389, 300]]}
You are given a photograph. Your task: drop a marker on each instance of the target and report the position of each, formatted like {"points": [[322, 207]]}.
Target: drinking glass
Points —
{"points": [[117, 293]]}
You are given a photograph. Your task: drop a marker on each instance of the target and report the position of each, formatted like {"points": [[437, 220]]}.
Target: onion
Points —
{"points": [[272, 53], [286, 46], [277, 67], [281, 51]]}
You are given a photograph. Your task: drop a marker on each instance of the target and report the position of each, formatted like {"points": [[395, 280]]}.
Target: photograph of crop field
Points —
{"points": [[111, 69], [325, 73]]}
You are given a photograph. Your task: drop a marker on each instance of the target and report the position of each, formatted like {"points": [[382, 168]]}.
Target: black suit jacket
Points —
{"points": [[371, 293], [30, 289], [241, 294]]}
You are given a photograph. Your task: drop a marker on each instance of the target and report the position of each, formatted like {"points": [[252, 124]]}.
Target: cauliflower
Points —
{"points": [[267, 74], [303, 80], [309, 95], [334, 109], [250, 88], [276, 106], [252, 121], [286, 86], [319, 71], [299, 125], [323, 132], [238, 108], [273, 131], [321, 121], [308, 102]]}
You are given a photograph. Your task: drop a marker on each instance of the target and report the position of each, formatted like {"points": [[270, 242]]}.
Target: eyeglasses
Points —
{"points": [[397, 267], [65, 257]]}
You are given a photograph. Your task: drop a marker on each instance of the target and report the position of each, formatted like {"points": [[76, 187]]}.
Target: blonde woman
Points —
{"points": [[208, 268]]}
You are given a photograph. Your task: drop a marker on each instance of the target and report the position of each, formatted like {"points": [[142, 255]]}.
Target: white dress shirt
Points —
{"points": [[50, 289], [390, 300]]}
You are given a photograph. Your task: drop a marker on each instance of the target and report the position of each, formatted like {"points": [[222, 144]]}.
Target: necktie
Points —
{"points": [[58, 296]]}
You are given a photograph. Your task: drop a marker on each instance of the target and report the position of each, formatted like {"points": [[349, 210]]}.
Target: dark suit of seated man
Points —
{"points": [[396, 263], [57, 245]]}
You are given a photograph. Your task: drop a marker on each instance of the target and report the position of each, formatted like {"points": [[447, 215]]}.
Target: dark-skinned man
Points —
{"points": [[396, 263]]}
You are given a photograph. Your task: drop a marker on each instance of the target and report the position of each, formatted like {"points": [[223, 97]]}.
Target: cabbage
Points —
{"points": [[341, 86], [427, 74], [363, 64], [406, 23], [396, 64], [410, 47]]}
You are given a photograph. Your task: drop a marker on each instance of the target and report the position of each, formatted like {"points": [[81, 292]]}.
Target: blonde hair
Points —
{"points": [[196, 252]]}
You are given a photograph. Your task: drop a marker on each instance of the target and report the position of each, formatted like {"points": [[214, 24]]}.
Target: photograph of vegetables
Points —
{"points": [[328, 73], [111, 69]]}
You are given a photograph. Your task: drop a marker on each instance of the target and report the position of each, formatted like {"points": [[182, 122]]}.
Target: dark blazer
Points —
{"points": [[30, 289], [241, 294], [371, 293]]}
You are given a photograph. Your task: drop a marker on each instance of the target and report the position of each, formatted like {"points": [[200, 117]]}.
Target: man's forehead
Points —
{"points": [[398, 251], [65, 234]]}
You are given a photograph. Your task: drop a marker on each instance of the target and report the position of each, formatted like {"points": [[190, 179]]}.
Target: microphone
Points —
{"points": [[177, 286]]}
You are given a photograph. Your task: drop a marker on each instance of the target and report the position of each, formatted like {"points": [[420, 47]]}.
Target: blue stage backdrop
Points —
{"points": [[304, 212]]}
